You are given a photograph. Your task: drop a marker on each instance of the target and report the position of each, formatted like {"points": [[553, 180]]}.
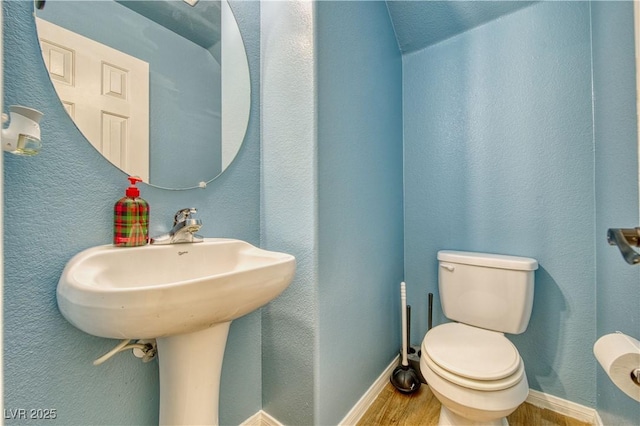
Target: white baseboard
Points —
{"points": [[369, 396], [536, 398], [255, 420], [597, 421], [261, 419], [564, 407]]}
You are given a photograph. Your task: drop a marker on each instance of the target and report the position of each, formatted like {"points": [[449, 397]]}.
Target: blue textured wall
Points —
{"points": [[419, 24], [616, 155], [289, 207], [59, 203], [499, 158], [360, 220], [332, 196]]}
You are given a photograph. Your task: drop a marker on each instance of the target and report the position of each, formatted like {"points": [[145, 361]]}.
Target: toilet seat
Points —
{"points": [[481, 385], [472, 357], [477, 405]]}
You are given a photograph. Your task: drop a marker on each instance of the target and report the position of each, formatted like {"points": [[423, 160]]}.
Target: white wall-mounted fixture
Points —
{"points": [[202, 299], [22, 137]]}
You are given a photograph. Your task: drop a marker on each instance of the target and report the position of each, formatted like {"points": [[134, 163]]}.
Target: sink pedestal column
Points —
{"points": [[190, 368]]}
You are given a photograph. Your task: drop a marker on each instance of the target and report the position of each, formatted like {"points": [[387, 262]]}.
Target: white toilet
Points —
{"points": [[471, 367]]}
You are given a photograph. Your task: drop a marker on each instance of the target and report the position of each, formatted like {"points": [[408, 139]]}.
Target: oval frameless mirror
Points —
{"points": [[160, 88]]}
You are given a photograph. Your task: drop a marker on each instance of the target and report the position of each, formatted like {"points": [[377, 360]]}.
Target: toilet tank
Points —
{"points": [[490, 291]]}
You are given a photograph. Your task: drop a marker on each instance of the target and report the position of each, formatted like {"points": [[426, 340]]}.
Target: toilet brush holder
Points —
{"points": [[414, 361]]}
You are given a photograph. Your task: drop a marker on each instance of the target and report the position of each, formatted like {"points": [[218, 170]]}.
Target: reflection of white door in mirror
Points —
{"points": [[106, 93], [199, 82]]}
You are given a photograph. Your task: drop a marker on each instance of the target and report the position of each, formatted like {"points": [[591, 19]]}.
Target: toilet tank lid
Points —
{"points": [[489, 260]]}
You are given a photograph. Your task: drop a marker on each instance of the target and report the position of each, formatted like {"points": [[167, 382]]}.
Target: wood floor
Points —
{"points": [[422, 409]]}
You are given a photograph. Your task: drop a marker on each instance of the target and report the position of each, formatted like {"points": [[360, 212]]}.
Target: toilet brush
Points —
{"points": [[404, 378]]}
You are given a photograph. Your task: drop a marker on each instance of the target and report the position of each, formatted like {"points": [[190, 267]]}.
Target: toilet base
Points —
{"points": [[449, 418]]}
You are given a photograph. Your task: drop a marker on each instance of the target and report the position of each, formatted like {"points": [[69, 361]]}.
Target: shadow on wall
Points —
{"points": [[549, 308]]}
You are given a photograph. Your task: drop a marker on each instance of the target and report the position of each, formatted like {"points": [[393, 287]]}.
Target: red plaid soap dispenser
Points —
{"points": [[131, 218]]}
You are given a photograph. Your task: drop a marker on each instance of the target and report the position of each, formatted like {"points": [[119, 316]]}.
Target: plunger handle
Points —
{"points": [[409, 351], [430, 311], [403, 302]]}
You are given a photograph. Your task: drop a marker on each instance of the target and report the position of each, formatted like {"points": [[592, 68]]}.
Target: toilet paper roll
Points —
{"points": [[619, 356]]}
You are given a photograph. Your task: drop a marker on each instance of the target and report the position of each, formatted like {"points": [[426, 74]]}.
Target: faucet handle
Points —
{"points": [[183, 215]]}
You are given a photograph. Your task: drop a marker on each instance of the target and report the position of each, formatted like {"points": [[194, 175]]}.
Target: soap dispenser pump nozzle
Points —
{"points": [[133, 190]]}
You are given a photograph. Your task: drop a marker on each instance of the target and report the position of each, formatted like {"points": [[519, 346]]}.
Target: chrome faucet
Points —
{"points": [[183, 231]]}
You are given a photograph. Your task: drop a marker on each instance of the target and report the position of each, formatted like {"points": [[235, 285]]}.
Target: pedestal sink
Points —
{"points": [[184, 296]]}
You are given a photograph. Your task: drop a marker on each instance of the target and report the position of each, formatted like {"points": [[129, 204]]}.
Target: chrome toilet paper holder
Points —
{"points": [[625, 238]]}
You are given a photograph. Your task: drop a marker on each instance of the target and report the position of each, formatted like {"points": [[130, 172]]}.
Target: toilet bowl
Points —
{"points": [[484, 379], [470, 366]]}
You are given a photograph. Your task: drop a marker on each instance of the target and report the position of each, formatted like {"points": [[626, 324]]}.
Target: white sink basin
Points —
{"points": [[183, 295], [163, 290]]}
